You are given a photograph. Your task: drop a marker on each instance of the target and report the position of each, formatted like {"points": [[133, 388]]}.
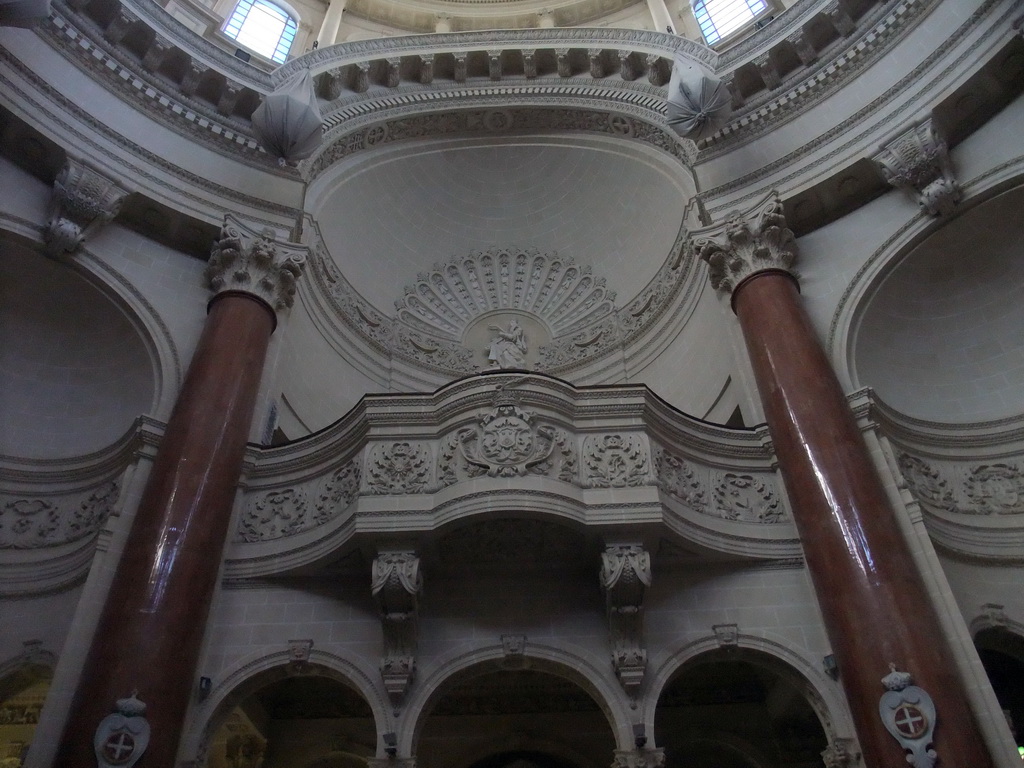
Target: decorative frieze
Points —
{"points": [[284, 512], [254, 262], [396, 585], [677, 478], [747, 499], [31, 522], [995, 488], [625, 577], [507, 441], [745, 244], [397, 468], [917, 161], [615, 461], [83, 200]]}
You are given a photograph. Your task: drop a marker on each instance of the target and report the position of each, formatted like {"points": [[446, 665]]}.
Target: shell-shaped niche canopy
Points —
{"points": [[564, 296]]}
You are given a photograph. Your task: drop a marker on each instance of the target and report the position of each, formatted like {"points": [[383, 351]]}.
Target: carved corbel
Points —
{"points": [[251, 261], [658, 71], [361, 78], [228, 98], [394, 71], [530, 63], [298, 654], [746, 243], [625, 576], [426, 68], [807, 52], [193, 76], [627, 69], [396, 585], [917, 161], [596, 63], [154, 57], [494, 64], [460, 68], [564, 65], [118, 28], [83, 201]]}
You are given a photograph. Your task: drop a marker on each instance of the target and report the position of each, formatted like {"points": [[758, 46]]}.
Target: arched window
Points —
{"points": [[263, 27], [720, 18]]}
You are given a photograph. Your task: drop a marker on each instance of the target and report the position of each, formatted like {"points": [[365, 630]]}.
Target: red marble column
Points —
{"points": [[150, 632], [874, 601]]}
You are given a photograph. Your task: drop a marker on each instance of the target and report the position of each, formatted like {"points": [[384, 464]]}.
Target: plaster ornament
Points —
{"points": [[508, 347], [23, 13], [676, 478], [924, 481], [839, 754], [615, 461], [917, 161], [287, 123], [995, 489], [83, 200], [254, 262], [698, 102], [30, 523], [625, 576], [727, 635], [122, 737], [398, 467], [745, 244], [513, 649], [908, 713], [396, 584], [299, 652], [747, 499]]}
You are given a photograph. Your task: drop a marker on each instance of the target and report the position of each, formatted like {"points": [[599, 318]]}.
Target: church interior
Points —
{"points": [[511, 383]]}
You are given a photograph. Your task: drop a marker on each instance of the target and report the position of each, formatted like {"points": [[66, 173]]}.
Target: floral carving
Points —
{"points": [[995, 489], [924, 481], [615, 461], [274, 514], [399, 467], [746, 499], [337, 493], [29, 523], [677, 479], [506, 442]]}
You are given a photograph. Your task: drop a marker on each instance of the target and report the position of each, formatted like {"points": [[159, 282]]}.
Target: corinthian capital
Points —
{"points": [[746, 243], [917, 161], [255, 263], [83, 201]]}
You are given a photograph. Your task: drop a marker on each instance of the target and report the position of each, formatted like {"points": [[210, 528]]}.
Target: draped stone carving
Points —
{"points": [[917, 161], [625, 577], [254, 262], [396, 585], [83, 200]]}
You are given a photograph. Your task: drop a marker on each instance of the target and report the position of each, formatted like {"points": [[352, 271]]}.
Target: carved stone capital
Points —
{"points": [[917, 161], [252, 262], [83, 201], [746, 243], [639, 758], [841, 753]]}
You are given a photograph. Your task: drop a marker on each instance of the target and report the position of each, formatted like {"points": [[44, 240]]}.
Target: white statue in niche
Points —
{"points": [[508, 348]]}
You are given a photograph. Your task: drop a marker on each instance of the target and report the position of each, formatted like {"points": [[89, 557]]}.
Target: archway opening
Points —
{"points": [[515, 719], [302, 721], [1002, 654], [22, 694], [738, 710]]}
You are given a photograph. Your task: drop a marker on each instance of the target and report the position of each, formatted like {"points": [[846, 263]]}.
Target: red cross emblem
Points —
{"points": [[119, 747], [910, 721]]}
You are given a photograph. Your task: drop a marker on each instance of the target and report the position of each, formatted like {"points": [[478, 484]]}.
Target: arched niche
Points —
{"points": [[937, 329], [75, 369], [1001, 651], [303, 720], [739, 708], [517, 714]]}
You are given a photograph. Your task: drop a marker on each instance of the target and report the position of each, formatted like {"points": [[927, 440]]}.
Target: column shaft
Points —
{"points": [[332, 23], [151, 629], [875, 604]]}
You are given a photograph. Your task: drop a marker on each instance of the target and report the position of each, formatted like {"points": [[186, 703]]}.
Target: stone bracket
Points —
{"points": [[917, 161], [83, 201], [625, 577], [396, 585]]}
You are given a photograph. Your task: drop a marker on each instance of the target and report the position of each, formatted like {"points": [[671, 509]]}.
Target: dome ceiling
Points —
{"points": [[608, 205]]}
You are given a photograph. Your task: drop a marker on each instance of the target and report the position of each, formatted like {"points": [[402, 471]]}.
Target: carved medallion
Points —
{"points": [[995, 489], [398, 467]]}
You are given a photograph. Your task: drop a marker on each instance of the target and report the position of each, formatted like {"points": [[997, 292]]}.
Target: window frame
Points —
{"points": [[699, 7], [286, 38]]}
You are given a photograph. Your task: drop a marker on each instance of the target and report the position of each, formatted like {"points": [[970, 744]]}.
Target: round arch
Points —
{"points": [[249, 675], [822, 693], [578, 667]]}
